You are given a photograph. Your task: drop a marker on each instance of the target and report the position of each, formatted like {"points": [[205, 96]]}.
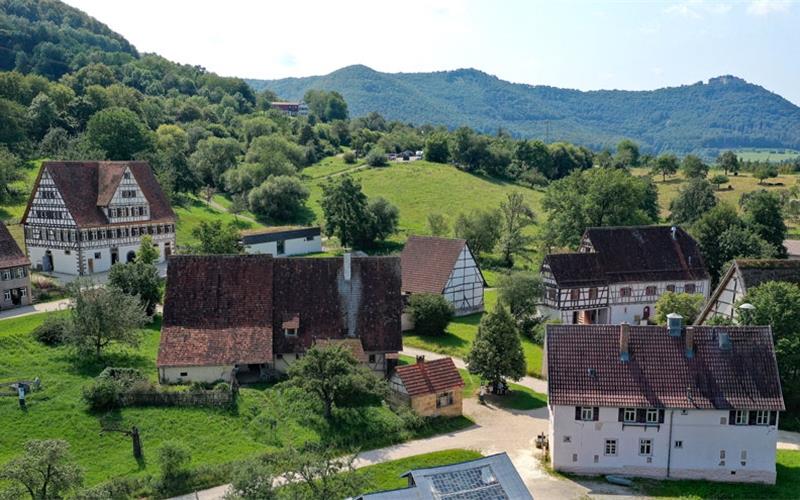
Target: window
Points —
{"points": [[281, 247], [97, 255], [689, 288], [762, 417], [650, 290], [279, 356], [625, 292], [23, 292], [652, 416], [740, 417], [290, 332], [678, 444], [629, 415], [611, 448], [21, 272], [592, 293], [129, 193], [309, 238], [551, 293], [574, 294], [184, 374], [37, 234], [67, 252], [444, 399], [587, 413], [371, 358], [6, 275], [645, 447], [6, 294], [567, 439]]}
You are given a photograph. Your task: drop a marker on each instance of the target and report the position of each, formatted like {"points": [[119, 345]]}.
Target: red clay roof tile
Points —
{"points": [[428, 377]]}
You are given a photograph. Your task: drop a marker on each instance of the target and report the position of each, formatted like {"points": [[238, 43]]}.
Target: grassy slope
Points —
{"points": [[195, 211], [461, 333], [772, 155], [386, 476], [787, 486]]}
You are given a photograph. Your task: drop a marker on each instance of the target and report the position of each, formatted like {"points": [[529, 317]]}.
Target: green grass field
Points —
{"points": [[214, 436], [195, 211], [386, 476], [329, 166], [460, 334], [771, 155], [787, 484]]}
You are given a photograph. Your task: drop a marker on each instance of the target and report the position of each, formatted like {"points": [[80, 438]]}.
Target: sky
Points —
{"points": [[584, 44]]}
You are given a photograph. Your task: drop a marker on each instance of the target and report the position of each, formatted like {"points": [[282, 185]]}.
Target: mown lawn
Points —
{"points": [[766, 154], [386, 476], [331, 165], [214, 437], [787, 485], [460, 334]]}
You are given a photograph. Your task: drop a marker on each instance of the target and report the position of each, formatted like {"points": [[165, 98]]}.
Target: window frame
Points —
{"points": [[584, 410], [625, 292], [689, 288], [445, 399], [760, 414], [741, 417], [645, 447], [650, 412], [610, 448], [625, 413]]}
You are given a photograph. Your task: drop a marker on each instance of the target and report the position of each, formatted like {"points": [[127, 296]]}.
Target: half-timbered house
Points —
{"points": [[253, 315], [619, 273], [83, 217], [443, 266], [664, 402], [744, 275], [15, 279]]}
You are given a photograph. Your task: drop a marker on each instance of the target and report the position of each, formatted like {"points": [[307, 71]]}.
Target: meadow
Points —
{"points": [[770, 155]]}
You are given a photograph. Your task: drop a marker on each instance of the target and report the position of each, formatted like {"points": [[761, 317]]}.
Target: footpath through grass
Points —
{"points": [[786, 486], [461, 333]]}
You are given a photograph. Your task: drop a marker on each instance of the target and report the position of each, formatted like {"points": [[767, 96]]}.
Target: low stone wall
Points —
{"points": [[212, 398]]}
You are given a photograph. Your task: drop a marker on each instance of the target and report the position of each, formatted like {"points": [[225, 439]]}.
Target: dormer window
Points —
{"points": [[291, 324], [290, 332]]}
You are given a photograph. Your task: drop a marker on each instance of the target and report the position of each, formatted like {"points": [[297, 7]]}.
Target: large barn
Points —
{"points": [[85, 216], [251, 315], [443, 266]]}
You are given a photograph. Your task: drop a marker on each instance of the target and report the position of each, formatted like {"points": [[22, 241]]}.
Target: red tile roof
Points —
{"points": [[427, 263], [353, 345], [584, 367], [630, 254], [86, 186], [218, 292], [10, 253], [214, 347], [428, 377]]}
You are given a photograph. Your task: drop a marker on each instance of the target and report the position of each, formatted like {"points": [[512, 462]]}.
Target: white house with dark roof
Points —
{"points": [[83, 217], [283, 241], [15, 279], [619, 273], [487, 478], [744, 275], [663, 402], [443, 266]]}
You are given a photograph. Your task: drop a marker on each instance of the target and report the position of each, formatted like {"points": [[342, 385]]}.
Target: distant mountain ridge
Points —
{"points": [[726, 112]]}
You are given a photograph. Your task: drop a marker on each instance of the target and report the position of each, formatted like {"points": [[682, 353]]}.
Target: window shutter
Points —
{"points": [[577, 413], [621, 417], [751, 418], [660, 416], [595, 413], [641, 415], [732, 417], [773, 417]]}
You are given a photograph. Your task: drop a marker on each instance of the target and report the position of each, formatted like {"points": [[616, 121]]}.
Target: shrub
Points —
{"points": [[51, 332], [376, 158], [431, 312], [222, 387], [173, 459], [349, 157], [103, 394]]}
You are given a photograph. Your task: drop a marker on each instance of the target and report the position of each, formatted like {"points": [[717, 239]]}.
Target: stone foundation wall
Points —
{"points": [[718, 475]]}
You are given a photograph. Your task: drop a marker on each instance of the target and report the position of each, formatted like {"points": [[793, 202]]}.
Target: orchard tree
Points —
{"points": [[627, 154], [344, 206], [517, 216], [664, 165], [692, 202], [140, 277], [336, 379], [45, 471], [437, 224], [693, 167], [728, 162], [216, 238], [763, 213], [118, 132], [521, 292], [384, 219], [764, 171], [437, 148], [686, 304], [496, 353], [481, 229], [320, 472], [718, 180], [281, 198]]}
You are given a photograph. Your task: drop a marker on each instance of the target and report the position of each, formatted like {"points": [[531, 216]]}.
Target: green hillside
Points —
{"points": [[726, 112]]}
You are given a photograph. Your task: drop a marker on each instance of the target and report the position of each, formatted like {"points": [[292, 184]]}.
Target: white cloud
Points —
{"points": [[766, 7], [698, 9]]}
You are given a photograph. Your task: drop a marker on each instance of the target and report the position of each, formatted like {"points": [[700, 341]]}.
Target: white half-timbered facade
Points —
{"points": [[443, 266], [744, 275], [619, 273], [83, 217], [668, 403]]}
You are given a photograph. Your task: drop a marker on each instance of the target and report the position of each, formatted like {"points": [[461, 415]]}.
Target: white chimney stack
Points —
{"points": [[347, 266]]}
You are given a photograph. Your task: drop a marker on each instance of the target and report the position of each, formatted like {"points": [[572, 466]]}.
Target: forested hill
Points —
{"points": [[726, 112], [51, 38]]}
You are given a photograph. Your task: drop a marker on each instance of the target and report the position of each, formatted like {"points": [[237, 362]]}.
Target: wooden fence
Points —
{"points": [[219, 399]]}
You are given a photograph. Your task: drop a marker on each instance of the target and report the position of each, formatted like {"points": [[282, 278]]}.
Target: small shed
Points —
{"points": [[431, 388]]}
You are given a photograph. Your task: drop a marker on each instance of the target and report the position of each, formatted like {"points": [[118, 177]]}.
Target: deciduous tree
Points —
{"points": [[118, 132], [280, 198], [686, 304], [664, 165], [45, 471], [728, 162], [216, 238], [517, 216], [763, 213], [496, 353], [692, 202]]}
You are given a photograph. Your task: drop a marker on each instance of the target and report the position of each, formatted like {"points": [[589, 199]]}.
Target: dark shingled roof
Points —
{"points": [[10, 253], [428, 261], [584, 367], [258, 293], [428, 377], [757, 271], [86, 186], [632, 254]]}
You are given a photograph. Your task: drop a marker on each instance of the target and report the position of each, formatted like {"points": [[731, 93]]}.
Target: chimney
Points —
{"points": [[674, 231], [624, 339], [689, 340], [725, 341], [347, 266], [420, 358], [674, 324]]}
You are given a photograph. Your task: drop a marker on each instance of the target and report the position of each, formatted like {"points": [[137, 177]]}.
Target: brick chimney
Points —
{"points": [[624, 340], [689, 341]]}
